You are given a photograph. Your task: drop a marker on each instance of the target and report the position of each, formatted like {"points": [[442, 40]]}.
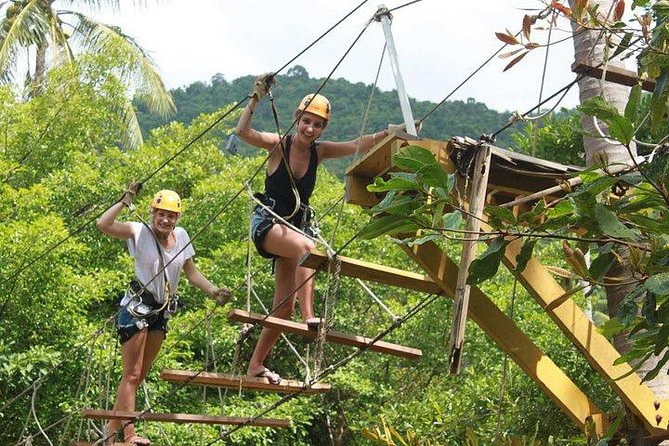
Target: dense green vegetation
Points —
{"points": [[62, 167], [349, 102]]}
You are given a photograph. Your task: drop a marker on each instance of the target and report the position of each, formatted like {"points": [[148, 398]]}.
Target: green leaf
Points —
{"points": [[565, 207], [424, 239], [621, 129], [611, 328], [499, 216], [525, 255], [658, 284], [399, 181], [598, 107], [452, 220], [633, 101], [661, 339], [413, 158], [385, 225], [600, 266], [660, 364], [396, 204], [486, 266], [610, 225]]}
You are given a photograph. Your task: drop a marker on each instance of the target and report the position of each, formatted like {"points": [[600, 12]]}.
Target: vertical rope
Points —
{"points": [[505, 368], [329, 303]]}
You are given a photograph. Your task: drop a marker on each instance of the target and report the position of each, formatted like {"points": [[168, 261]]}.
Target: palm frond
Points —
{"points": [[138, 69], [133, 134], [64, 52], [28, 26]]}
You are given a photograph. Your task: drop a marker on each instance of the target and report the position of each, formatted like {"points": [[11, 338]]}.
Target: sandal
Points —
{"points": [[138, 441], [313, 323], [271, 376]]}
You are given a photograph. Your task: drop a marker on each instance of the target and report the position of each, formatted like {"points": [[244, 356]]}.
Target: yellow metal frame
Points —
{"points": [[571, 319]]}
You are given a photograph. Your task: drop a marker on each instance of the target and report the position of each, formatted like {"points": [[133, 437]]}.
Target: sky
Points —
{"points": [[439, 43]]}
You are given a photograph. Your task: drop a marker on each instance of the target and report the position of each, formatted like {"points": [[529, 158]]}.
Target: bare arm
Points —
{"points": [[107, 223], [197, 279], [264, 140], [330, 149]]}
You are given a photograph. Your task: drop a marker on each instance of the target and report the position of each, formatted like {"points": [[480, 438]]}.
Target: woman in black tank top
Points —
{"points": [[286, 245]]}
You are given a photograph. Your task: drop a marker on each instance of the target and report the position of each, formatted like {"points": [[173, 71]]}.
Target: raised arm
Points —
{"points": [[263, 140], [107, 222]]}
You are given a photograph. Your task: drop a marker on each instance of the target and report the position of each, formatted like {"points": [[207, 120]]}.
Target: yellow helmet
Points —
{"points": [[316, 104], [167, 200]]}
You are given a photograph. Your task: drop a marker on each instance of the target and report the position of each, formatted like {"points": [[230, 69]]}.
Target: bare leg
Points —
{"points": [[290, 246], [132, 352], [305, 295], [154, 340]]}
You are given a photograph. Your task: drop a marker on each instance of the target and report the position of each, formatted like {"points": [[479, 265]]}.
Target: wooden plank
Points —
{"points": [[357, 193], [180, 418], [614, 74], [520, 348], [386, 275], [240, 382], [332, 336], [374, 160], [477, 195], [599, 352]]}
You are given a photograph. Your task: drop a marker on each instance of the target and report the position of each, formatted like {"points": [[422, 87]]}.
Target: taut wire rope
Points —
{"points": [[25, 266]]}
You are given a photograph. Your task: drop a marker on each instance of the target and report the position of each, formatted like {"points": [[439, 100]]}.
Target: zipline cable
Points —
{"points": [[404, 5], [43, 254]]}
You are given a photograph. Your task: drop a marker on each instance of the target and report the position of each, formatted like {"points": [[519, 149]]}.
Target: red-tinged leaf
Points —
{"points": [[531, 46], [619, 10], [527, 26], [515, 60], [562, 8], [510, 53], [507, 38]]}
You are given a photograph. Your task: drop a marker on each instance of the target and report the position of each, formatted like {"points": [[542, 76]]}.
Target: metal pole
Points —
{"points": [[383, 15]]}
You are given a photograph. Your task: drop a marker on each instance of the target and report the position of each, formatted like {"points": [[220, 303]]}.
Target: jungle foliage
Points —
{"points": [[60, 280]]}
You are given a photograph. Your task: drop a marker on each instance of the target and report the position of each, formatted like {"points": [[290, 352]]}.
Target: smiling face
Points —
{"points": [[310, 127], [163, 221]]}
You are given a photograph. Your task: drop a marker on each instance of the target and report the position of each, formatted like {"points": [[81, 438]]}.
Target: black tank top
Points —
{"points": [[277, 185]]}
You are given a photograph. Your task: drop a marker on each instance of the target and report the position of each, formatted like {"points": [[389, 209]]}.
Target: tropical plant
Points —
{"points": [[58, 36]]}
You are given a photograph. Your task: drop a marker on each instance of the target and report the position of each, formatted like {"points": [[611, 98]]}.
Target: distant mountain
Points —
{"points": [[349, 101]]}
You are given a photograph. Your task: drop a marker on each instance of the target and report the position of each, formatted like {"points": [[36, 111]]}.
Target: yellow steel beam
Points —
{"points": [[599, 352], [558, 386]]}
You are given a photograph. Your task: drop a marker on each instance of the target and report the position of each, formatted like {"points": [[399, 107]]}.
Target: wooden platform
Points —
{"points": [[332, 336], [614, 74], [180, 418], [376, 273], [240, 382]]}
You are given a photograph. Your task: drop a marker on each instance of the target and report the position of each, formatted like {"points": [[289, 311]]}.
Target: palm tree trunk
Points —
{"points": [[39, 78], [589, 48]]}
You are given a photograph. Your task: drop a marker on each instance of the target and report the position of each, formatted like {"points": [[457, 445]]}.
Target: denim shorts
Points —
{"points": [[261, 222], [128, 325]]}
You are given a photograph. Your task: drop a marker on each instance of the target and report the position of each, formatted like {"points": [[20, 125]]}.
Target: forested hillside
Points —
{"points": [[349, 102]]}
